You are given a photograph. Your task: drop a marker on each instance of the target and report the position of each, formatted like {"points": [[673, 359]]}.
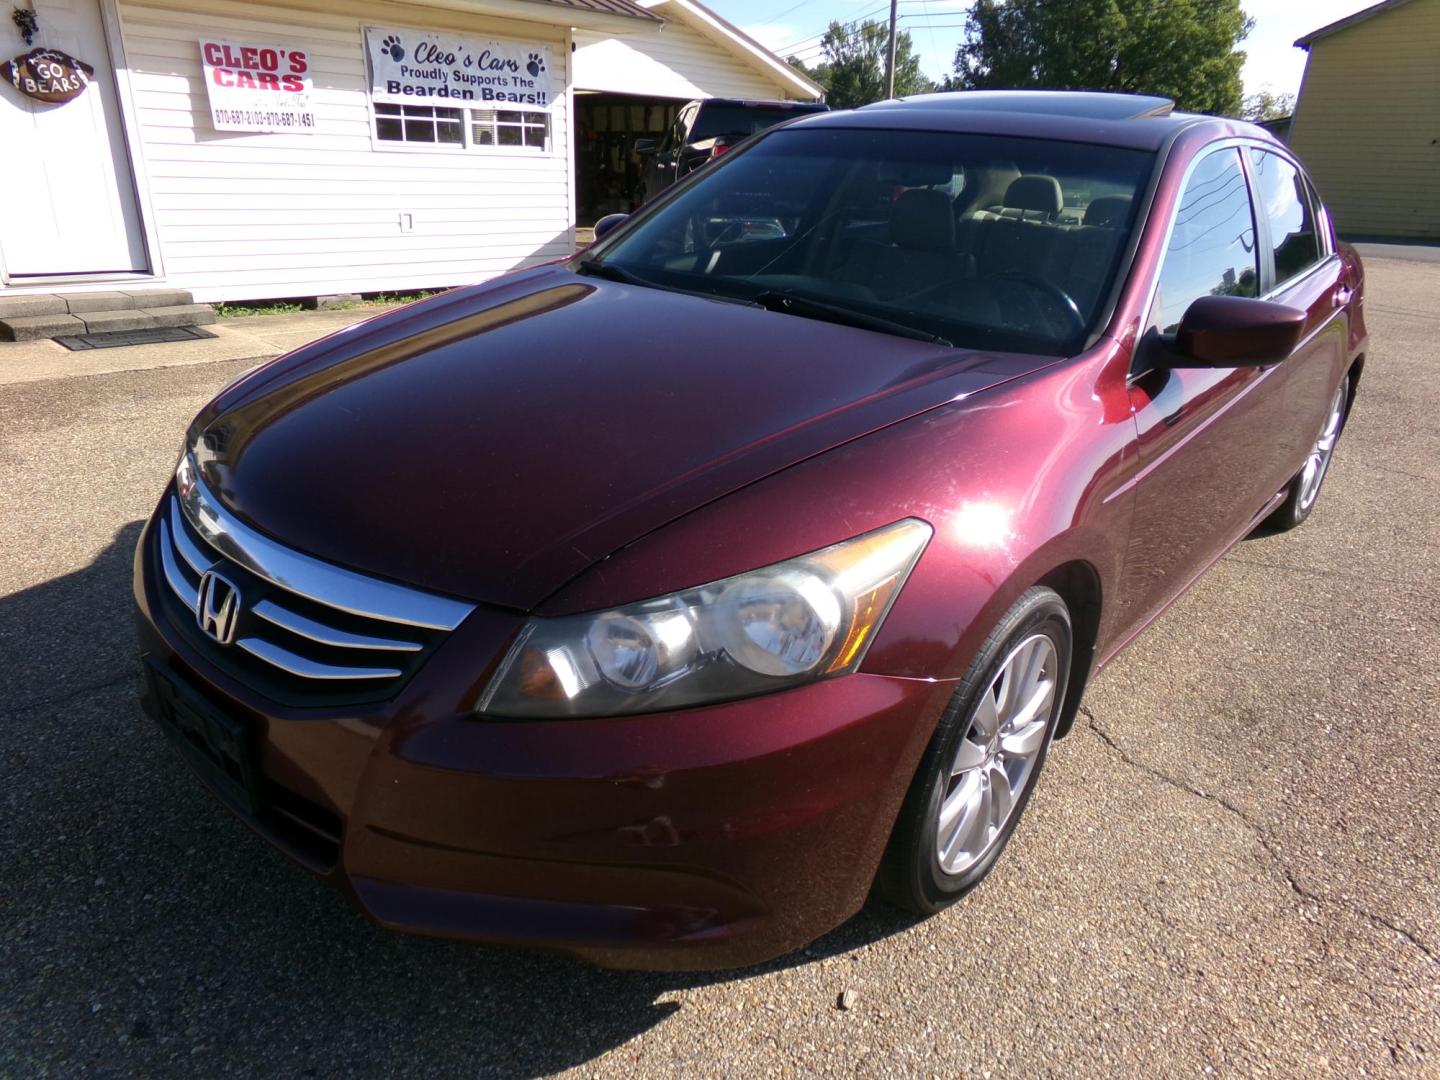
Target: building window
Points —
{"points": [[490, 127], [433, 125], [419, 124]]}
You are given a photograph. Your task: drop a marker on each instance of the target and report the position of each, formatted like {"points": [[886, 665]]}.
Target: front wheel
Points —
{"points": [[1305, 488], [980, 768]]}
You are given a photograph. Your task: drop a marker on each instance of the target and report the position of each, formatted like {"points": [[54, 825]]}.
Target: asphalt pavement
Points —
{"points": [[1231, 867]]}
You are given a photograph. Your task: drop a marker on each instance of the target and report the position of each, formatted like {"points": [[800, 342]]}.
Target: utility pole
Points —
{"points": [[890, 54]]}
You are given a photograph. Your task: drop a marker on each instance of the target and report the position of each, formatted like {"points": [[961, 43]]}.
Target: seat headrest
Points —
{"points": [[1038, 193], [924, 220], [1108, 211]]}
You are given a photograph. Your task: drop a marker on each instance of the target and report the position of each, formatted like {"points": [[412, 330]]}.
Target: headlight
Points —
{"points": [[795, 622]]}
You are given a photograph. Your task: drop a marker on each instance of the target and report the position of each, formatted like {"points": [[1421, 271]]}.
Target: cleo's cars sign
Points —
{"points": [[412, 67], [48, 75], [257, 87]]}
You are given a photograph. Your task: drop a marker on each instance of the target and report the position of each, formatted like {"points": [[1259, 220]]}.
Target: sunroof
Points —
{"points": [[1098, 106]]}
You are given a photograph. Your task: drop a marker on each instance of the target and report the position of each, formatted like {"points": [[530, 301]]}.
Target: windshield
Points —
{"points": [[977, 240]]}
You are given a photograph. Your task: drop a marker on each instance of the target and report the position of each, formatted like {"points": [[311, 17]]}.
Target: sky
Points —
{"points": [[792, 27]]}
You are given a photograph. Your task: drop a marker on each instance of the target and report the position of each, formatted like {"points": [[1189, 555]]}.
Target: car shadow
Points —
{"points": [[146, 927]]}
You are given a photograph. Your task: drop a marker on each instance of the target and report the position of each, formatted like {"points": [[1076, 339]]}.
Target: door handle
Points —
{"points": [[1342, 296]]}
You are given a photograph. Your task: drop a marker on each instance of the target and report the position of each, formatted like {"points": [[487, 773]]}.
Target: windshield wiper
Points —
{"points": [[597, 267], [805, 307]]}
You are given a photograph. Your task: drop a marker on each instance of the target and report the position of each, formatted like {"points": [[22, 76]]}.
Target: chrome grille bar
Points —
{"points": [[305, 668], [310, 627], [173, 577], [188, 549], [322, 582], [328, 635]]}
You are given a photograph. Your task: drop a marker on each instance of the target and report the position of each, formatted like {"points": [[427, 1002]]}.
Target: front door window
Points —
{"points": [[1212, 250]]}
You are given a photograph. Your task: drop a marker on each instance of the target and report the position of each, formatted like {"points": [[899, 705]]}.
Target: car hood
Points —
{"points": [[495, 441]]}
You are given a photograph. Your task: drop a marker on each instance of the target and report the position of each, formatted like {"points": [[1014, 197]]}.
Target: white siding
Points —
{"points": [[265, 215], [677, 63]]}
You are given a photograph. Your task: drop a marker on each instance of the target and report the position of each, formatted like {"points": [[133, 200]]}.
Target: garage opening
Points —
{"points": [[608, 177]]}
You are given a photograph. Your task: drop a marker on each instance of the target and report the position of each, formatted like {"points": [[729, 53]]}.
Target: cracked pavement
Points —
{"points": [[1231, 866]]}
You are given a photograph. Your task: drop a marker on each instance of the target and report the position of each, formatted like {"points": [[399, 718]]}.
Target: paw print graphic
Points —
{"points": [[392, 47], [535, 66]]}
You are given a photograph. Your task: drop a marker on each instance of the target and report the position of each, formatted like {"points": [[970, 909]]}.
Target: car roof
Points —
{"points": [[1135, 121], [759, 103], [1095, 105]]}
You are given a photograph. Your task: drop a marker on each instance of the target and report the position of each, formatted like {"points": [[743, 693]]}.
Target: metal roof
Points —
{"points": [[729, 36], [1347, 22], [625, 9]]}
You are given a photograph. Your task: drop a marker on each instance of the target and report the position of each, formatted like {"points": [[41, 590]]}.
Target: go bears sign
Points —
{"points": [[412, 67], [48, 75]]}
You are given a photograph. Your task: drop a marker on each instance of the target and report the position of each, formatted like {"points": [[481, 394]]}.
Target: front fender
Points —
{"points": [[1018, 482]]}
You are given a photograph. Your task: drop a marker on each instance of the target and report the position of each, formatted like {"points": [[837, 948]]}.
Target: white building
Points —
{"points": [[241, 150]]}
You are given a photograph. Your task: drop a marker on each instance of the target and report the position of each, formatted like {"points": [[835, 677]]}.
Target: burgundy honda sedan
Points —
{"points": [[660, 605]]}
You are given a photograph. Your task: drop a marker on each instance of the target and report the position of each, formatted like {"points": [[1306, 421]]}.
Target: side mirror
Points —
{"points": [[645, 146], [1234, 331], [607, 225]]}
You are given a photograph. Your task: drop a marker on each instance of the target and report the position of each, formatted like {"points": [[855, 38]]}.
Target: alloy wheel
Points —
{"points": [[996, 759], [1318, 463]]}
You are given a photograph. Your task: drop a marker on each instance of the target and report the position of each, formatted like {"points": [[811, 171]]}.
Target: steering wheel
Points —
{"points": [[1055, 292]]}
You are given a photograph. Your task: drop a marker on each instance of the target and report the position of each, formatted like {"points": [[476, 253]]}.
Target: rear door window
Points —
{"points": [[675, 137], [1281, 192], [1212, 250], [737, 121]]}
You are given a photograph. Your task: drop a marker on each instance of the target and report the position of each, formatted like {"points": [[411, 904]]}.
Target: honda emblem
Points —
{"points": [[217, 608]]}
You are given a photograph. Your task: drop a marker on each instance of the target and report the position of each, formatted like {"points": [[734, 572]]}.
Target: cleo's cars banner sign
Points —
{"points": [[413, 67], [257, 87]]}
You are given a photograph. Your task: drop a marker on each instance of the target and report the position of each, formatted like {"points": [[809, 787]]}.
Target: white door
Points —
{"points": [[69, 196]]}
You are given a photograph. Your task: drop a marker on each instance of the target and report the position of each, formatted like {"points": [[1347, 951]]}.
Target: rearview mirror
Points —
{"points": [[644, 146], [607, 224], [1234, 331]]}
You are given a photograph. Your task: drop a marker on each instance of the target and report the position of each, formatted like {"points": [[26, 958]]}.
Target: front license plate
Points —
{"points": [[217, 746]]}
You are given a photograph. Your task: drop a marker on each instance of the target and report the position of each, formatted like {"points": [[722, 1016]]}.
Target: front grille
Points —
{"points": [[304, 632]]}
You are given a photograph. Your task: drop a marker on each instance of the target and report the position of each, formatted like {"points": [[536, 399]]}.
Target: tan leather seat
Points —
{"points": [[1079, 261], [921, 251], [1018, 236]]}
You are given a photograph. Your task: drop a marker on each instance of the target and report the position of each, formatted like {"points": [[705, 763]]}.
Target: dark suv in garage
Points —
{"points": [[704, 130]]}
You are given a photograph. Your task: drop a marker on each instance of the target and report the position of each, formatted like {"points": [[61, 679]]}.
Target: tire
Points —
{"points": [[957, 773], [1304, 489]]}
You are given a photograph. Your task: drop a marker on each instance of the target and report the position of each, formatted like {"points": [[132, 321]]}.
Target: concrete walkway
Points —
{"points": [[255, 338], [1405, 251]]}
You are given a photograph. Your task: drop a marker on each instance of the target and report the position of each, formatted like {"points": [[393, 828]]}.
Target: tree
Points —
{"points": [[1180, 49], [1267, 106], [852, 68]]}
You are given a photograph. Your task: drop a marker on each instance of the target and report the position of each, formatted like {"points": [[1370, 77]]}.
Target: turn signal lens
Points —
{"points": [[804, 619]]}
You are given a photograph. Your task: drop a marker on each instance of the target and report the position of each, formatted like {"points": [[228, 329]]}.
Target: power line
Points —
{"points": [[852, 24], [814, 41], [780, 16], [784, 49]]}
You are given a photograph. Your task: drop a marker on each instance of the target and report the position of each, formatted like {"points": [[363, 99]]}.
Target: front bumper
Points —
{"points": [[713, 837]]}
